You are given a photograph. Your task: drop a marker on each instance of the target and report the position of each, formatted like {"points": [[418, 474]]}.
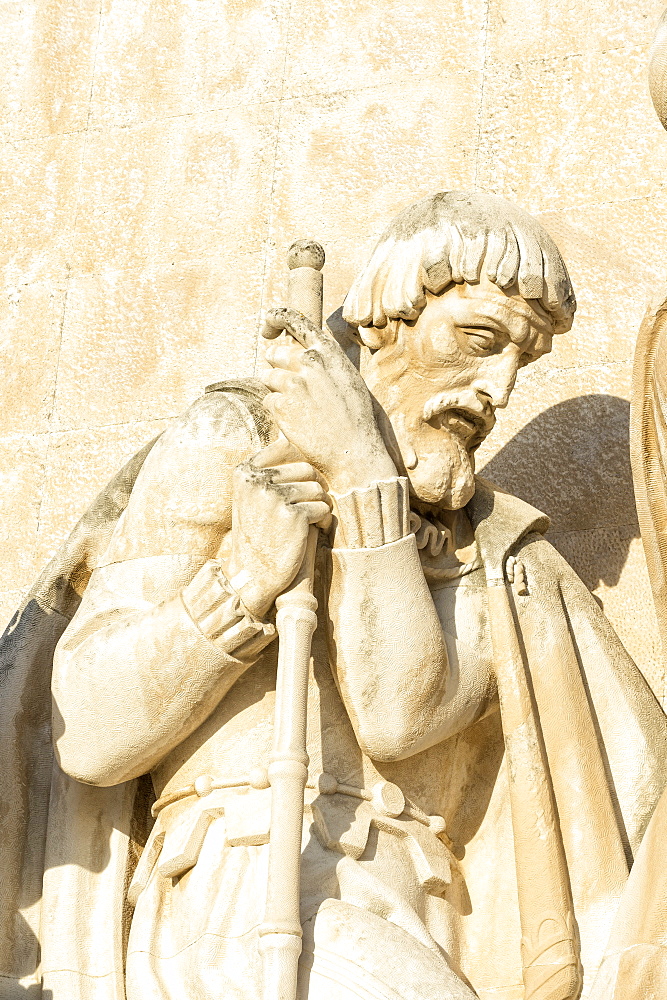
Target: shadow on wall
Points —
{"points": [[573, 463]]}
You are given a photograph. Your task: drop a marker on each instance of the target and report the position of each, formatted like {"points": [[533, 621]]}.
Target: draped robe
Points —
{"points": [[600, 733]]}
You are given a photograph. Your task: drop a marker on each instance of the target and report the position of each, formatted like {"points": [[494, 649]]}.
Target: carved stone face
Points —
{"points": [[441, 381]]}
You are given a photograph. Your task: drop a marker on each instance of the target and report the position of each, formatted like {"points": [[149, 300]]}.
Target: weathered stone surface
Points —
{"points": [[22, 484], [143, 343], [78, 463], [31, 318], [353, 46], [174, 59], [192, 187], [47, 68], [519, 29], [39, 185], [546, 122]]}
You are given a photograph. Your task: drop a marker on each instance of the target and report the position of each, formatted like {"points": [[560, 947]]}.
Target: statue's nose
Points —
{"points": [[496, 386]]}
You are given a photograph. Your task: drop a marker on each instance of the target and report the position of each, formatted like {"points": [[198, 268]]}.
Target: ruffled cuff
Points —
{"points": [[374, 516], [218, 612]]}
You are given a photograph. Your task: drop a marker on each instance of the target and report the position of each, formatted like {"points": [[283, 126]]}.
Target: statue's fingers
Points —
{"points": [[289, 397], [284, 353], [299, 327], [288, 321], [316, 512], [282, 381], [297, 472], [300, 493], [277, 453]]}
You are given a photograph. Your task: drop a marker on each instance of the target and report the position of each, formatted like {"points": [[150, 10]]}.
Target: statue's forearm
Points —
{"points": [[402, 689], [130, 685], [390, 652]]}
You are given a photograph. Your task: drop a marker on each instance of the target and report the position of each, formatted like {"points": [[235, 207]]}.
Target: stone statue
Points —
{"points": [[484, 755], [634, 966]]}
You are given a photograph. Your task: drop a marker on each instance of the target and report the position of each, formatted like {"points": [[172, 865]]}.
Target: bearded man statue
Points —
{"points": [[484, 755]]}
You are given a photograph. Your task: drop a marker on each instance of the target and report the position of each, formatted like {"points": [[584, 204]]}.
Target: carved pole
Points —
{"points": [[280, 934]]}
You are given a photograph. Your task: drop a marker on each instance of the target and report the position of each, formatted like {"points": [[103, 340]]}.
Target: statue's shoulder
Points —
{"points": [[507, 526], [246, 397], [500, 522], [228, 414]]}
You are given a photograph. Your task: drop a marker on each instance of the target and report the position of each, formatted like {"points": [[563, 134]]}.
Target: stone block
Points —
{"points": [[173, 59], [366, 44], [39, 184], [570, 130], [30, 328], [520, 29], [174, 190], [46, 70], [22, 474], [614, 255], [144, 343]]}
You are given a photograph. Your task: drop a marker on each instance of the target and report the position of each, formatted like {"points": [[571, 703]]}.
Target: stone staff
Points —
{"points": [[280, 934]]}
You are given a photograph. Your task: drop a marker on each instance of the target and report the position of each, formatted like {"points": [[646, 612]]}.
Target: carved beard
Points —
{"points": [[438, 462], [445, 470]]}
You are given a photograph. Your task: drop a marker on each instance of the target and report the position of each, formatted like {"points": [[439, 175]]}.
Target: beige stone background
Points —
{"points": [[158, 156]]}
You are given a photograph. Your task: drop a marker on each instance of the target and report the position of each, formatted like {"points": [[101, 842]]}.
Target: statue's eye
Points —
{"points": [[482, 341]]}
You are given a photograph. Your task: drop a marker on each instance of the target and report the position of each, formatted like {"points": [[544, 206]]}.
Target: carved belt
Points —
{"points": [[175, 847], [386, 798]]}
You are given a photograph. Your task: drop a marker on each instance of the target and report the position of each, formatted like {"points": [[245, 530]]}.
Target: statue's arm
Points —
{"points": [[388, 648], [160, 636], [133, 679]]}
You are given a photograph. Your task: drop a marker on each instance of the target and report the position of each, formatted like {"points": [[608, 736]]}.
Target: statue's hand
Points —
{"points": [[321, 403], [277, 495]]}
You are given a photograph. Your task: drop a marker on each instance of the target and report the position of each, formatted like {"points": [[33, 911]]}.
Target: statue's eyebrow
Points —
{"points": [[533, 326], [498, 313], [491, 316]]}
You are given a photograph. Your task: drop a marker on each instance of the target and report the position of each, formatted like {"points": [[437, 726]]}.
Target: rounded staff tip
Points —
{"points": [[305, 253]]}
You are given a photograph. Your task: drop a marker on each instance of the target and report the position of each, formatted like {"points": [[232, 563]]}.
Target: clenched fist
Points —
{"points": [[322, 404], [277, 496]]}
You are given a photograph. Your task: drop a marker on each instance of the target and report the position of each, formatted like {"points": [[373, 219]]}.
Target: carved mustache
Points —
{"points": [[465, 405]]}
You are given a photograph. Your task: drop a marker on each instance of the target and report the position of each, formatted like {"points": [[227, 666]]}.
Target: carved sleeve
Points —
{"points": [[372, 517], [133, 679], [218, 612], [390, 652], [160, 636]]}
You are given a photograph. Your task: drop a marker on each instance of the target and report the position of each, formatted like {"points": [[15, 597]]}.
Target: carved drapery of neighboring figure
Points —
{"points": [[635, 964]]}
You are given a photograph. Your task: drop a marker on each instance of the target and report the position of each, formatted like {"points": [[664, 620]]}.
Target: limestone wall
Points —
{"points": [[158, 156]]}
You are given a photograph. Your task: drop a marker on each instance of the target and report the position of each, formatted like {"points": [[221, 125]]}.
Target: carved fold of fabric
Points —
{"points": [[374, 516], [550, 943], [218, 612]]}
